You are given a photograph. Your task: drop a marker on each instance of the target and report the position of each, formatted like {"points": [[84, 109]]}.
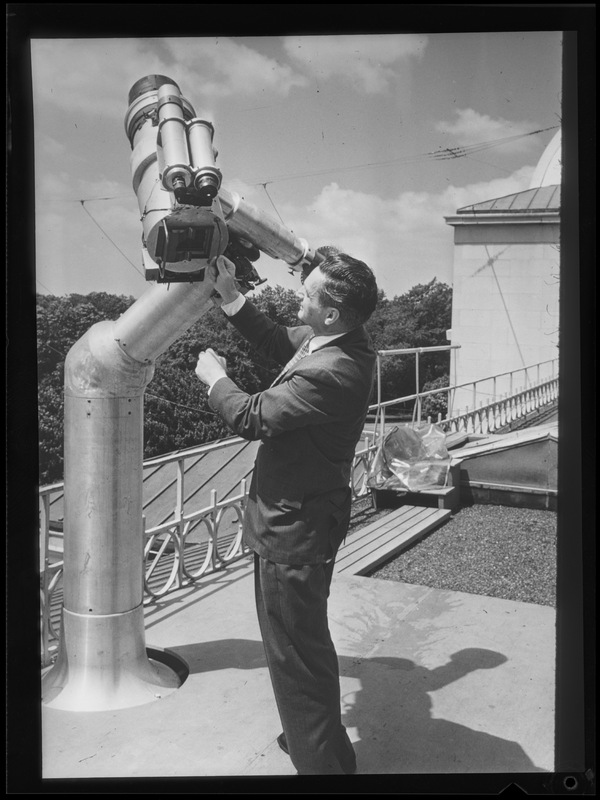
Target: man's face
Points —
{"points": [[311, 312]]}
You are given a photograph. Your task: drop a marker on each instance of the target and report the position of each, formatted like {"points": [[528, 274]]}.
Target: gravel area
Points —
{"points": [[497, 551]]}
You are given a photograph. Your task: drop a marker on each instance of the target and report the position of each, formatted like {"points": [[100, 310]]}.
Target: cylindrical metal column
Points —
{"points": [[102, 660]]}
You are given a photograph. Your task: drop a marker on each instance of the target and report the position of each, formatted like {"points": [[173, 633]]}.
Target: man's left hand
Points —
{"points": [[210, 367]]}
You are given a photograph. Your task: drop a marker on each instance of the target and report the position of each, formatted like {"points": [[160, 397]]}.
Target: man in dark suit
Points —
{"points": [[298, 510]]}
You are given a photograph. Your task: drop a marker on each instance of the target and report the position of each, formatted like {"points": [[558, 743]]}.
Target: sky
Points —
{"points": [[344, 138]]}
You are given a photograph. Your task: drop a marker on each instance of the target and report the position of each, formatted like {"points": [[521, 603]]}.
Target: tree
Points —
{"points": [[176, 410], [418, 318], [437, 404], [62, 321]]}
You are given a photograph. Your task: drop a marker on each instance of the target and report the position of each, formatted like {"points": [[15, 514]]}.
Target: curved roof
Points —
{"points": [[544, 198], [549, 169], [543, 194]]}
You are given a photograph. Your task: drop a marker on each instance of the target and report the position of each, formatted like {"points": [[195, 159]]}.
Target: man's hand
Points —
{"points": [[222, 273], [210, 367]]}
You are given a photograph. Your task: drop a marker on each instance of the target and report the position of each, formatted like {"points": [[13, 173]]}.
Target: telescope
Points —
{"points": [[187, 217]]}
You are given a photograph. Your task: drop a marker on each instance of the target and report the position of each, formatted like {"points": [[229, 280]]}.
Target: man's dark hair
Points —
{"points": [[349, 286]]}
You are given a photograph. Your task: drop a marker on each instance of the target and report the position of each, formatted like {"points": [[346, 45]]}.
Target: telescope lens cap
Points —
{"points": [[148, 84]]}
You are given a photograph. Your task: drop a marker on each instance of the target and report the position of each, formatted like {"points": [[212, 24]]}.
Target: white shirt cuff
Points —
{"points": [[232, 308], [213, 383]]}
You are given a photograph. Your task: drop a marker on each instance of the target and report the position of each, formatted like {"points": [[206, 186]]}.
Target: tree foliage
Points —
{"points": [[419, 318], [176, 410], [61, 321]]}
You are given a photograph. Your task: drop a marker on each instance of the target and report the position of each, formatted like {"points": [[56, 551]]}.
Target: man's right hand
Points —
{"points": [[222, 273]]}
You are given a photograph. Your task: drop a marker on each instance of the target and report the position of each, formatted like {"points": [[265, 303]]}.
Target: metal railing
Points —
{"points": [[496, 415], [178, 552], [51, 572], [195, 543], [527, 389], [417, 398]]}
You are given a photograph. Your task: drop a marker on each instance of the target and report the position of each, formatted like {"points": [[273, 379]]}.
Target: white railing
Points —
{"points": [[528, 389], [495, 416], [198, 542], [51, 572], [381, 406], [190, 545]]}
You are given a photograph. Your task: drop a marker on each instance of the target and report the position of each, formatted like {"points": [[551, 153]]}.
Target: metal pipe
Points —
{"points": [[160, 316], [102, 661], [106, 373]]}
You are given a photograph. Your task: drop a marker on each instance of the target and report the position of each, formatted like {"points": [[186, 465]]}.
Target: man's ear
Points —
{"points": [[333, 315]]}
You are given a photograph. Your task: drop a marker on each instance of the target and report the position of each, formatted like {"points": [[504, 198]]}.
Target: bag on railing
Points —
{"points": [[411, 459]]}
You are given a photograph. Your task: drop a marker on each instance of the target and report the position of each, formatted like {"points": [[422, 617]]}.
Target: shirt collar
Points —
{"points": [[320, 341]]}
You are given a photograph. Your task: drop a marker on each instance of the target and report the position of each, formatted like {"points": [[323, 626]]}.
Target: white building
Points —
{"points": [[505, 301]]}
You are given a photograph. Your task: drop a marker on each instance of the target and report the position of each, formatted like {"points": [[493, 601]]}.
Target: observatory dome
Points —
{"points": [[548, 170]]}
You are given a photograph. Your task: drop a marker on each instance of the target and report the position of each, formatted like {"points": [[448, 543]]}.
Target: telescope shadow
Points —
{"points": [[391, 712], [221, 654]]}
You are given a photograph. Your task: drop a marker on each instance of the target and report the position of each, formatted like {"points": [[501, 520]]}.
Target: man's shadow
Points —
{"points": [[397, 731], [392, 710]]}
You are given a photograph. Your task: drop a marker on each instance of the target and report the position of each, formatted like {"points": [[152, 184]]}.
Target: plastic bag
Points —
{"points": [[411, 459]]}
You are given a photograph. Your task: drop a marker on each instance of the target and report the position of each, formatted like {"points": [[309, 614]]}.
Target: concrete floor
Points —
{"points": [[433, 683]]}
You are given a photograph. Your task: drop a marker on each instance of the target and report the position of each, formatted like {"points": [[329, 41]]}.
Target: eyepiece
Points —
{"points": [[207, 186]]}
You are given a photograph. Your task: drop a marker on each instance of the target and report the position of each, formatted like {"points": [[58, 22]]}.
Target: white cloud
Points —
{"points": [[458, 196], [471, 127], [89, 76], [368, 62], [406, 241], [48, 147], [222, 67], [52, 187], [94, 76]]}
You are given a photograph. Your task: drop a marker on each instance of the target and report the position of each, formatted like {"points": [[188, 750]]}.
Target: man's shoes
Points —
{"points": [[282, 742]]}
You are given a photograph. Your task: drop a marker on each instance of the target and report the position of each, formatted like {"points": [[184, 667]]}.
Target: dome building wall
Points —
{"points": [[506, 270]]}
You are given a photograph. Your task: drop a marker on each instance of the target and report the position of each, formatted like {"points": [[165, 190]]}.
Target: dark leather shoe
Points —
{"points": [[282, 742]]}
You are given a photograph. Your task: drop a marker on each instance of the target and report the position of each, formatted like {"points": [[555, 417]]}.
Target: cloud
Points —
{"points": [[456, 197], [48, 147], [369, 62], [223, 67], [52, 187], [73, 239], [471, 127], [61, 185], [89, 76], [94, 76], [406, 240]]}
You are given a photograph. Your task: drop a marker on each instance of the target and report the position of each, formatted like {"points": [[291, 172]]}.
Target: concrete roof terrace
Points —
{"points": [[433, 683]]}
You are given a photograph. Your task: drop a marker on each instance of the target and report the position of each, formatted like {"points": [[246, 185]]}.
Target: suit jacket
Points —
{"points": [[309, 424]]}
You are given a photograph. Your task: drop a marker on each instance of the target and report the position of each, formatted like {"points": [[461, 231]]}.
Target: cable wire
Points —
{"points": [[83, 202], [264, 185], [180, 405], [442, 154]]}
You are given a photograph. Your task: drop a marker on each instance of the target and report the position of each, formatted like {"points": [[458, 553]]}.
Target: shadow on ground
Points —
{"points": [[392, 711]]}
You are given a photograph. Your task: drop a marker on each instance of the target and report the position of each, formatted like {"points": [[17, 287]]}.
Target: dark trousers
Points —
{"points": [[291, 603]]}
